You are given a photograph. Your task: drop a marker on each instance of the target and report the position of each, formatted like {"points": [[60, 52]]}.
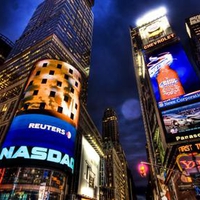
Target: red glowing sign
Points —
{"points": [[189, 162]]}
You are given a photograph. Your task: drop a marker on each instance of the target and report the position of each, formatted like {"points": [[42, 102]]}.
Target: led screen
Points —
{"points": [[172, 77], [89, 171], [182, 123], [156, 32], [40, 137]]}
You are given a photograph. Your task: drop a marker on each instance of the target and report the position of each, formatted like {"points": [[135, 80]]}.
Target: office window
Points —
{"points": [[42, 105], [66, 77], [51, 72], [52, 94], [59, 66], [44, 81], [66, 98], [59, 84], [60, 109], [72, 90], [76, 106], [44, 65], [31, 83], [35, 92], [26, 106], [76, 84], [70, 71], [72, 116], [37, 73]]}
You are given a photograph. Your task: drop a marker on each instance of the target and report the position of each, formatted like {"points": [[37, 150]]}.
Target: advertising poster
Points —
{"points": [[89, 170], [172, 77], [182, 123], [156, 32], [189, 166]]}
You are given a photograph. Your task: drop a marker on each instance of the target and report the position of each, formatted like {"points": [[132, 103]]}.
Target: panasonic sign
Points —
{"points": [[37, 153]]}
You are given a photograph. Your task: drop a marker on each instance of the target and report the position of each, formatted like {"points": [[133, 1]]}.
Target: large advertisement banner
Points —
{"points": [[44, 138], [182, 123], [89, 171], [156, 32], [172, 77]]}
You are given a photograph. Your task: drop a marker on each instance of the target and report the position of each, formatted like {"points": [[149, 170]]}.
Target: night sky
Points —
{"points": [[112, 80]]}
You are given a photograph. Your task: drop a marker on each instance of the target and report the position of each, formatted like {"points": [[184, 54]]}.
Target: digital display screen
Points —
{"points": [[156, 32], [40, 137], [187, 163], [182, 123], [172, 77]]}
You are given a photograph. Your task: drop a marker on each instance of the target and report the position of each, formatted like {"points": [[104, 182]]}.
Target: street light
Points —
{"points": [[142, 170]]}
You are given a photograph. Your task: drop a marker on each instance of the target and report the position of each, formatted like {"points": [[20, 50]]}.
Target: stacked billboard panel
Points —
{"points": [[175, 84]]}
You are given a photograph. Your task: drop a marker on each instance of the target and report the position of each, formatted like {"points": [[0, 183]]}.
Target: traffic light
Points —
{"points": [[142, 170]]}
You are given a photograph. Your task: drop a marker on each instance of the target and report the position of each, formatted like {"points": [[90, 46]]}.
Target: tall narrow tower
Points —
{"points": [[42, 85], [110, 129]]}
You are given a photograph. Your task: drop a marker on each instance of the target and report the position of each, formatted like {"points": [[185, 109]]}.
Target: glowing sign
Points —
{"points": [[194, 20], [189, 162], [40, 137], [170, 75], [151, 15], [37, 153], [182, 123], [156, 32]]}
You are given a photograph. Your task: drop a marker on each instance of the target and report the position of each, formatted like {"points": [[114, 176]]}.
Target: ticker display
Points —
{"points": [[43, 138], [172, 77]]}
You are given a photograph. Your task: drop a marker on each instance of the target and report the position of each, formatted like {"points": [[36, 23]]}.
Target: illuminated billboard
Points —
{"points": [[89, 171], [156, 32], [40, 139], [189, 163], [43, 131], [172, 77], [182, 123], [54, 88]]}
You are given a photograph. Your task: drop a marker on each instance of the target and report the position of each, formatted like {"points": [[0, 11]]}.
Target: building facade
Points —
{"points": [[43, 87], [169, 99], [117, 185], [193, 30]]}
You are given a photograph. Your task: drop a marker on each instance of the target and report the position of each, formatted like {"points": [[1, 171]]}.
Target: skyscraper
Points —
{"points": [[169, 99], [110, 128], [116, 164], [40, 83]]}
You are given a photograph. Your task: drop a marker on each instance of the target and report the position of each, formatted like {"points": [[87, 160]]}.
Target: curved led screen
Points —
{"points": [[44, 128], [44, 138]]}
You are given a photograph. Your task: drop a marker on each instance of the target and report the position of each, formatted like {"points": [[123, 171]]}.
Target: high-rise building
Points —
{"points": [[170, 106], [193, 30], [110, 130], [41, 82], [116, 165]]}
